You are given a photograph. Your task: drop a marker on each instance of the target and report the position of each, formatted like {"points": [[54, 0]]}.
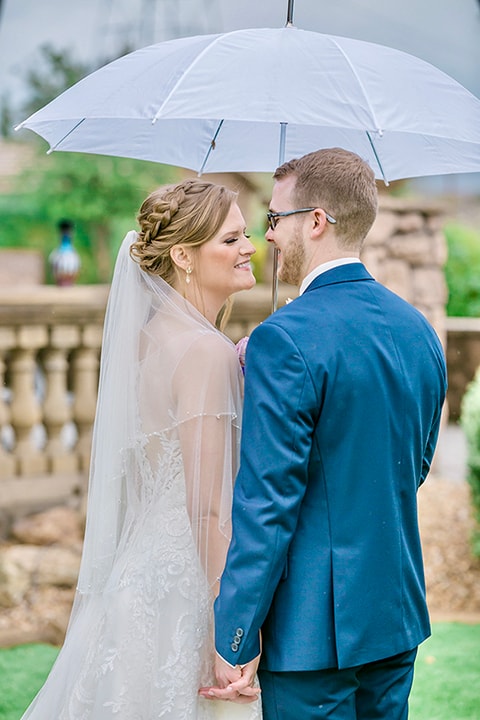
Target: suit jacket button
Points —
{"points": [[237, 640], [234, 647], [239, 632]]}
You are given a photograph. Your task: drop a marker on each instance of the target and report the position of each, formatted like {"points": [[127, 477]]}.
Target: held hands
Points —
{"points": [[234, 683]]}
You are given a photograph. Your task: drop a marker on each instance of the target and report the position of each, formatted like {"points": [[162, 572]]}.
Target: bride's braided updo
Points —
{"points": [[189, 213]]}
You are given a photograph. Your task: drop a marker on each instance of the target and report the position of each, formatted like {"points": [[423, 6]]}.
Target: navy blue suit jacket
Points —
{"points": [[343, 396]]}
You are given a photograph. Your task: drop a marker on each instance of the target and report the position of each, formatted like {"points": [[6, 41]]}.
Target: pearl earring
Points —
{"points": [[188, 272]]}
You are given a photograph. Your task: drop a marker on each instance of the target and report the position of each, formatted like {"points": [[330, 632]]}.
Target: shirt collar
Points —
{"points": [[323, 268]]}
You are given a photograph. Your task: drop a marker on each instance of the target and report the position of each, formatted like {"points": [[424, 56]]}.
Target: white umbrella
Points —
{"points": [[250, 99], [239, 101]]}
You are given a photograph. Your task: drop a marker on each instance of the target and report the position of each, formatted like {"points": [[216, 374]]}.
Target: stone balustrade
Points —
{"points": [[50, 342]]}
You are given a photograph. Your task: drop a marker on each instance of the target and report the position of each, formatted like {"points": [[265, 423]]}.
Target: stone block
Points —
{"points": [[58, 566], [409, 223], [17, 564], [415, 249], [397, 276], [429, 287], [21, 266], [58, 525], [439, 251], [25, 566], [373, 256], [383, 227]]}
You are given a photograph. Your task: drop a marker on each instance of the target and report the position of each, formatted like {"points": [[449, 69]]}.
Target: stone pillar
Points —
{"points": [[7, 461], [85, 363], [56, 409], [25, 408]]}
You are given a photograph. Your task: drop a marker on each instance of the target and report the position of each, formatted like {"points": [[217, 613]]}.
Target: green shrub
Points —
{"points": [[470, 421], [462, 270]]}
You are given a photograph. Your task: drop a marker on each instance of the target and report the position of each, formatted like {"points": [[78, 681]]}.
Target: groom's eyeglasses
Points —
{"points": [[273, 217]]}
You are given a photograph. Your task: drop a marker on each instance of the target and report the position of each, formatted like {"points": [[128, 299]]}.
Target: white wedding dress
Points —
{"points": [[164, 456]]}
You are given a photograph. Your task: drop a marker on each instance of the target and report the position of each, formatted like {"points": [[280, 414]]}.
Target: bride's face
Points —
{"points": [[222, 266]]}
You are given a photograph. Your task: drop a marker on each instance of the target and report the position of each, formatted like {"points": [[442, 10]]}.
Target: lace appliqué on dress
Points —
{"points": [[148, 645]]}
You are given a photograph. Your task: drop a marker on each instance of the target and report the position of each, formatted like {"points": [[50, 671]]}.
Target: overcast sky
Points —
{"points": [[443, 32]]}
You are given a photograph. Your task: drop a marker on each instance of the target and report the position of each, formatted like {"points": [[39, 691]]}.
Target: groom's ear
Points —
{"points": [[319, 222], [181, 257]]}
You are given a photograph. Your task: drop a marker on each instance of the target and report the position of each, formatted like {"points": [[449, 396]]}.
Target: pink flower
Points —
{"points": [[241, 348]]}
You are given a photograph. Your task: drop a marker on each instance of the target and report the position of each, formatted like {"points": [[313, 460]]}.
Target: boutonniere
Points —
{"points": [[241, 348]]}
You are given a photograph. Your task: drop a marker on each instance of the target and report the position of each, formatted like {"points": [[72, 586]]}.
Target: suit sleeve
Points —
{"points": [[436, 422], [279, 416]]}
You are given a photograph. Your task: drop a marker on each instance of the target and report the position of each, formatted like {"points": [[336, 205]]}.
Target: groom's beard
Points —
{"points": [[293, 260]]}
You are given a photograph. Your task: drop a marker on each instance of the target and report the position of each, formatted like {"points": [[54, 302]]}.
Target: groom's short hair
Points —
{"points": [[341, 183]]}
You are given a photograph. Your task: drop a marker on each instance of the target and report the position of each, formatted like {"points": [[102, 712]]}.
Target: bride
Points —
{"points": [[164, 456]]}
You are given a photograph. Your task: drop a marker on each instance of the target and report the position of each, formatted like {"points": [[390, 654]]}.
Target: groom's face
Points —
{"points": [[288, 233]]}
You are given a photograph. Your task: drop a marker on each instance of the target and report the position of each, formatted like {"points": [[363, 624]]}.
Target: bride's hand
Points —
{"points": [[234, 683]]}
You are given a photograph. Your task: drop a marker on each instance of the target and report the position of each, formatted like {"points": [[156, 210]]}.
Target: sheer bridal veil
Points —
{"points": [[164, 369]]}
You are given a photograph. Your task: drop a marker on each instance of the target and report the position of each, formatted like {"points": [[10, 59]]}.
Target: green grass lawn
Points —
{"points": [[446, 687], [447, 674], [23, 670]]}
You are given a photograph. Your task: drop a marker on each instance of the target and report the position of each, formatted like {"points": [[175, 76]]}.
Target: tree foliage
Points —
{"points": [[54, 72], [99, 194], [462, 271]]}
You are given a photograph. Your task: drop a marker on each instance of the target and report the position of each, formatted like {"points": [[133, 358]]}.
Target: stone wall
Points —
{"points": [[406, 251], [463, 359]]}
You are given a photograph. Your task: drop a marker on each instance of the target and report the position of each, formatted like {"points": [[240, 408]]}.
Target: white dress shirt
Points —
{"points": [[323, 268]]}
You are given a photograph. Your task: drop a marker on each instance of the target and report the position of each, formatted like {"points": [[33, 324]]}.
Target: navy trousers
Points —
{"points": [[375, 691]]}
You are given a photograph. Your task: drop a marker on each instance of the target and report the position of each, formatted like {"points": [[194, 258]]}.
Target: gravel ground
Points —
{"points": [[452, 574]]}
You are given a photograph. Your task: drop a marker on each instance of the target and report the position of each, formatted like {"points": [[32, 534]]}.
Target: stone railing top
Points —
{"points": [[25, 305], [462, 324], [22, 305], [425, 206]]}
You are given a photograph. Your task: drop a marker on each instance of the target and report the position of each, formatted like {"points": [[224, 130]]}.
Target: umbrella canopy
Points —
{"points": [[246, 100]]}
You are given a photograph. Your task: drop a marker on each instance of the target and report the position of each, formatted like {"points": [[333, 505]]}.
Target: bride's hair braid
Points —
{"points": [[189, 213]]}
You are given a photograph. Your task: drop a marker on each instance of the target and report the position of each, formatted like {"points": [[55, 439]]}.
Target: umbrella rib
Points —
{"points": [[188, 69], [374, 150], [360, 84], [54, 147], [210, 148]]}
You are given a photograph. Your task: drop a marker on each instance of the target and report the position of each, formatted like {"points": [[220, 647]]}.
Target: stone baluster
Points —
{"points": [[7, 461], [56, 409], [85, 364], [25, 407]]}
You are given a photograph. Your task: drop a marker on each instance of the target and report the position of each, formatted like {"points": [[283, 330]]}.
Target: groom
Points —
{"points": [[343, 396]]}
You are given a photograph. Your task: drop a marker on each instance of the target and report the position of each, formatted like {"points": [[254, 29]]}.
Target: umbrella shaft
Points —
{"points": [[275, 280], [290, 12]]}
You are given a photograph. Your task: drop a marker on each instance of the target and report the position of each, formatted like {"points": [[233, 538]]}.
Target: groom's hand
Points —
{"points": [[234, 683]]}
